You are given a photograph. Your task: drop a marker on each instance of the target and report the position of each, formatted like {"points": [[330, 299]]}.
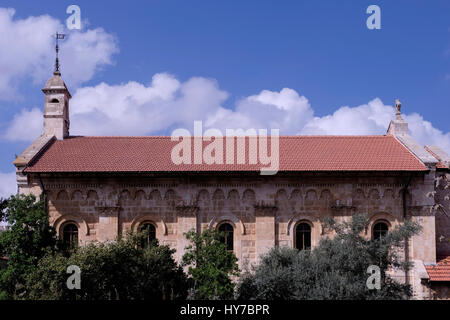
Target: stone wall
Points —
{"points": [[264, 211]]}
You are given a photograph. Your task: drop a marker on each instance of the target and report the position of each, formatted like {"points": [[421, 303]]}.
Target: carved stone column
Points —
{"points": [[108, 221], [186, 221], [265, 234]]}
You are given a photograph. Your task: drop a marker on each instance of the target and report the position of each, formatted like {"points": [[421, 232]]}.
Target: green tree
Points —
{"points": [[27, 238], [121, 269], [441, 196], [211, 266], [336, 269]]}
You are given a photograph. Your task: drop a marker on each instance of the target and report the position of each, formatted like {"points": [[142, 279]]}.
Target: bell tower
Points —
{"points": [[56, 105]]}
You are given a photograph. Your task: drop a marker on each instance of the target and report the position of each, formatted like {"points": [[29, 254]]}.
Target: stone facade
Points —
{"points": [[262, 210]]}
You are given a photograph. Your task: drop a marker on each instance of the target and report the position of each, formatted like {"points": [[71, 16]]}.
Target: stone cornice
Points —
{"points": [[262, 207], [187, 209]]}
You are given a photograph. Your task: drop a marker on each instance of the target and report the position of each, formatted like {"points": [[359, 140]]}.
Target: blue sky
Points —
{"points": [[230, 51]]}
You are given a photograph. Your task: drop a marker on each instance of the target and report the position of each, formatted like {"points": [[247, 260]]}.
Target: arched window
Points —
{"points": [[150, 230], [380, 229], [228, 234], [70, 235], [54, 100], [303, 236]]}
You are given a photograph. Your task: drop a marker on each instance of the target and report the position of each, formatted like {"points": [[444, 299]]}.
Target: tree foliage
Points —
{"points": [[211, 266], [37, 262], [335, 269], [441, 196], [27, 239], [121, 269], [441, 199]]}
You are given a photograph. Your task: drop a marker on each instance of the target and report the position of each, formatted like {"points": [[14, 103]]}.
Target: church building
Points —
{"points": [[98, 188]]}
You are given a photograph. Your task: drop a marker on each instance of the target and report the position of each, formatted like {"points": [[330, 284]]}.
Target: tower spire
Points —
{"points": [[56, 106], [58, 37]]}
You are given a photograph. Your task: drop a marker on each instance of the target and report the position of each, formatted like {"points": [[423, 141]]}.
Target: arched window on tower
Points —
{"points": [[228, 234], [303, 236], [150, 231], [70, 235], [380, 229]]}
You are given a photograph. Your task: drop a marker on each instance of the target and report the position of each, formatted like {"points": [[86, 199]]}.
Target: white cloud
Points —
{"points": [[424, 132], [374, 118], [84, 53], [284, 110], [371, 118], [25, 126], [28, 51], [166, 103], [8, 185], [137, 109]]}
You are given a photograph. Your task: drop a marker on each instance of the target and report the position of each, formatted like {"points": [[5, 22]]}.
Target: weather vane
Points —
{"points": [[59, 36]]}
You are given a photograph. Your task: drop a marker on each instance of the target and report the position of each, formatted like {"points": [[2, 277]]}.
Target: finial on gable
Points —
{"points": [[398, 126], [398, 107], [399, 129]]}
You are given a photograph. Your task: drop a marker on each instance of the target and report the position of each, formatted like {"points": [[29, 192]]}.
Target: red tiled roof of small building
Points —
{"points": [[296, 153], [441, 271], [439, 165]]}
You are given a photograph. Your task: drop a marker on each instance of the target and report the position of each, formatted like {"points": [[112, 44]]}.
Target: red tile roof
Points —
{"points": [[440, 272], [297, 153]]}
